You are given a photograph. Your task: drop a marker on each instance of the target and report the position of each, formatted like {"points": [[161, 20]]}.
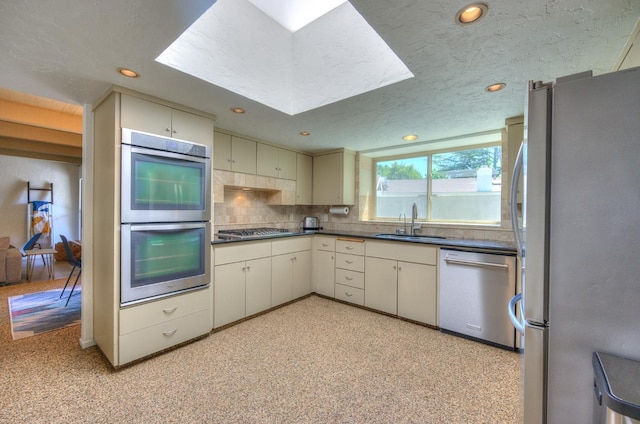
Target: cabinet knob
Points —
{"points": [[168, 130], [248, 268], [175, 131]]}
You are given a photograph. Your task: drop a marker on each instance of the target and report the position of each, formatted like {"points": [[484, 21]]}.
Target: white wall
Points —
{"points": [[14, 174]]}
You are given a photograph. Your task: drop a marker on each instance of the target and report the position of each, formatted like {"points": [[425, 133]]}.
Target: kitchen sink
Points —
{"points": [[408, 237]]}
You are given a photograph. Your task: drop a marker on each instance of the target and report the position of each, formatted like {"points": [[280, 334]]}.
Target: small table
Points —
{"points": [[47, 257]]}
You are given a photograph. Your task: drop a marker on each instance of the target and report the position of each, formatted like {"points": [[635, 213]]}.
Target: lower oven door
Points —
{"points": [[161, 259]]}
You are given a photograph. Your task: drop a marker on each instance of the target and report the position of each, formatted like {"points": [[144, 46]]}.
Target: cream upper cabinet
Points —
{"points": [[304, 179], [231, 153], [334, 178], [276, 162], [154, 118]]}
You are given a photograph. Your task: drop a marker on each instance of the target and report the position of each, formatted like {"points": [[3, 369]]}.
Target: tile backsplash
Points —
{"points": [[246, 209]]}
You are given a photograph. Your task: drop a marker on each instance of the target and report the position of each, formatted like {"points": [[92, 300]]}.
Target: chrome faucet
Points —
{"points": [[414, 215]]}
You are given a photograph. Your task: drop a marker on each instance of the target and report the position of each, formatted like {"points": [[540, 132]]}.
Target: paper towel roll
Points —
{"points": [[339, 210]]}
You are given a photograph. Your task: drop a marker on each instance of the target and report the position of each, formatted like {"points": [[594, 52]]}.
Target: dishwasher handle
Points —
{"points": [[475, 263]]}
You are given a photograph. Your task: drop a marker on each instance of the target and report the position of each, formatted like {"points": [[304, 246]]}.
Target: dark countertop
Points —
{"points": [[617, 383], [452, 243]]}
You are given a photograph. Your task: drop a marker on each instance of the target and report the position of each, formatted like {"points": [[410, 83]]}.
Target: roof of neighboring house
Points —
{"points": [[451, 185]]}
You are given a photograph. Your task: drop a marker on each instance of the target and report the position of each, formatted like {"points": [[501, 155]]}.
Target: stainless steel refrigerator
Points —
{"points": [[581, 238]]}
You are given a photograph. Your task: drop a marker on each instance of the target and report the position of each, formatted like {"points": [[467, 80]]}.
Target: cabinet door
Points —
{"points": [[324, 272], [287, 164], [222, 151], [243, 155], [327, 179], [281, 279], [146, 116], [190, 127], [229, 297], [267, 163], [304, 175], [417, 297], [301, 274], [381, 284], [258, 285]]}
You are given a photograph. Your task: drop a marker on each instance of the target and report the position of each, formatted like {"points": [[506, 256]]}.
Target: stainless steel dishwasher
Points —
{"points": [[475, 289]]}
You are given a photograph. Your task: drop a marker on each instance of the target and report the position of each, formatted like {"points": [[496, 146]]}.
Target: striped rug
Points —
{"points": [[40, 312]]}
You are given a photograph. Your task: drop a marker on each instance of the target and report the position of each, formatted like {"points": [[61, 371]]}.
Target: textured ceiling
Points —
{"points": [[69, 51]]}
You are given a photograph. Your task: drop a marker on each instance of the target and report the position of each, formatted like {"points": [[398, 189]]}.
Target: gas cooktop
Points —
{"points": [[252, 233]]}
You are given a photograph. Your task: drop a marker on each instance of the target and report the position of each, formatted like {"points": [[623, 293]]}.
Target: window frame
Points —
{"points": [[429, 154]]}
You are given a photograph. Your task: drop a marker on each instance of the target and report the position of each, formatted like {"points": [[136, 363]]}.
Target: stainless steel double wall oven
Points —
{"points": [[165, 216]]}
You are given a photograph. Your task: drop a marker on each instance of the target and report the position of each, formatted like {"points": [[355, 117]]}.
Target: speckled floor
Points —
{"points": [[314, 361]]}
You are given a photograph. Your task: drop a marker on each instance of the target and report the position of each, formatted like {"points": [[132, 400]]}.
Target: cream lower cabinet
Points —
{"points": [[323, 267], [155, 326], [290, 269], [350, 271], [381, 281], [401, 279], [242, 281]]}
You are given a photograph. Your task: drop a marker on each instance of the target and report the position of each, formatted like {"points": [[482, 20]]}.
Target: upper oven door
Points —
{"points": [[160, 186]]}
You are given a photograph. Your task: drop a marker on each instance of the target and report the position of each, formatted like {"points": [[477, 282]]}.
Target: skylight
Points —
{"points": [[237, 46], [295, 14]]}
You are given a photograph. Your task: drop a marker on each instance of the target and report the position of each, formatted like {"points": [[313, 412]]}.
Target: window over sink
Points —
{"points": [[461, 186]]}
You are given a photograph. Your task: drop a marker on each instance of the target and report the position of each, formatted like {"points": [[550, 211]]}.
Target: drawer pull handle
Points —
{"points": [[170, 310], [349, 262], [348, 294], [348, 278], [325, 245], [169, 333], [349, 248]]}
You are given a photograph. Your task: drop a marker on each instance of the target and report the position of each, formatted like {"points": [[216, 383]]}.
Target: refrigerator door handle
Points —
{"points": [[515, 182], [518, 323]]}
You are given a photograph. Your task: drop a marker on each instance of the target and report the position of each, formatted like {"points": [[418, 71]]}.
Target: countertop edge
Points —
{"points": [[451, 243]]}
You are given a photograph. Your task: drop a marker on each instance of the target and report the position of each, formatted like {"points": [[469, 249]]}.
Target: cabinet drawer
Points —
{"points": [[138, 344], [350, 278], [241, 252], [153, 313], [350, 294], [290, 245], [324, 243], [352, 262], [350, 247]]}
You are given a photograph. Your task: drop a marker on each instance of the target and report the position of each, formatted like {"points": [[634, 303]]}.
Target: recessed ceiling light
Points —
{"points": [[128, 73], [471, 13], [496, 87], [305, 133], [238, 110], [410, 137]]}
